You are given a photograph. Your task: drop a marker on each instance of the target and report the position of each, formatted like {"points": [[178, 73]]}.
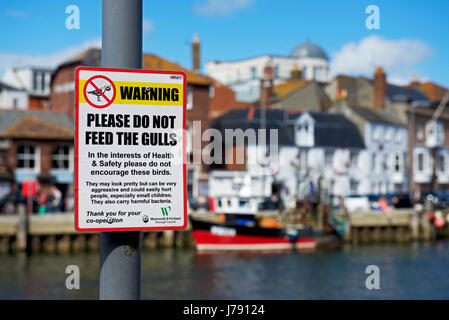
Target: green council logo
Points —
{"points": [[165, 211]]}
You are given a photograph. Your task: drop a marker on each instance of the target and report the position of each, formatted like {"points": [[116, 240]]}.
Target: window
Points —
{"points": [[253, 73], [38, 81], [43, 81], [376, 133], [190, 180], [354, 186], [420, 132], [317, 73], [420, 162], [26, 156], [374, 165], [306, 128], [397, 163], [328, 158], [441, 162], [353, 159], [304, 72], [303, 160], [189, 138], [34, 81], [189, 104], [385, 164], [382, 188], [61, 158], [398, 136], [388, 134], [276, 71], [243, 204]]}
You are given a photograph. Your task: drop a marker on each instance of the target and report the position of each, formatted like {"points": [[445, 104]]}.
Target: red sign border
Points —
{"points": [[77, 71], [91, 103]]}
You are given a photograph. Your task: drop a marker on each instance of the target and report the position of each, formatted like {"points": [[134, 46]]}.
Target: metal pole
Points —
{"points": [[120, 252]]}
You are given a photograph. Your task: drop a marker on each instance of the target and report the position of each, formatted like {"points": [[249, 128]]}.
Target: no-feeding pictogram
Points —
{"points": [[99, 91]]}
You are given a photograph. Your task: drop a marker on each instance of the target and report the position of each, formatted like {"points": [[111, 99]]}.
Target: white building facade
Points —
{"points": [[331, 153], [387, 148], [242, 191], [13, 98], [36, 81], [244, 76]]}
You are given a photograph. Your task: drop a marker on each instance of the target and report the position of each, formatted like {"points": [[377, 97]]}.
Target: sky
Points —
{"points": [[412, 38]]}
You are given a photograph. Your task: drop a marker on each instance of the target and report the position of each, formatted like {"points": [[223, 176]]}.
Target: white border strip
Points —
{"points": [[265, 246]]}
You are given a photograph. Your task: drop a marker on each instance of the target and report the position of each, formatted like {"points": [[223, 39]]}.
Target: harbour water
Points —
{"points": [[407, 271]]}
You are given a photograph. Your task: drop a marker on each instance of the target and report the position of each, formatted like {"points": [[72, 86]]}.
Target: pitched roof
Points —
{"points": [[382, 116], [403, 94], [92, 58], [282, 90], [4, 86], [254, 113], [249, 118], [433, 91], [394, 92], [36, 125], [335, 130]]}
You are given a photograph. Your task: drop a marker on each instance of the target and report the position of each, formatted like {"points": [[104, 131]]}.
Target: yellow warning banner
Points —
{"points": [[143, 93]]}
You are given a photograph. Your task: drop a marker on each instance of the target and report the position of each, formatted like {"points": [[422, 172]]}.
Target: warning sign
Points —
{"points": [[130, 150]]}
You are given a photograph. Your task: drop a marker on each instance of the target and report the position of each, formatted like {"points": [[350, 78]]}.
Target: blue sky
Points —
{"points": [[412, 38]]}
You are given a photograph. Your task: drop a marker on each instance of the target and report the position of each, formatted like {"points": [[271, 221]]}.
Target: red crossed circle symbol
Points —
{"points": [[93, 97]]}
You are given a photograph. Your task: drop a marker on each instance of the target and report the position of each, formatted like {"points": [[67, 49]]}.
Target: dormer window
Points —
{"points": [[304, 134]]}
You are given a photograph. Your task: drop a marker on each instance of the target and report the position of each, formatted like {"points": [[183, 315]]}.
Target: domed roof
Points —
{"points": [[308, 50]]}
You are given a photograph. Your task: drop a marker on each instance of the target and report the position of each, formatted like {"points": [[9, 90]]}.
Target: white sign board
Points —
{"points": [[130, 150]]}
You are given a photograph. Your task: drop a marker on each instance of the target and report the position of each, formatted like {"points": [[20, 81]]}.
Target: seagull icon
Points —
{"points": [[102, 89]]}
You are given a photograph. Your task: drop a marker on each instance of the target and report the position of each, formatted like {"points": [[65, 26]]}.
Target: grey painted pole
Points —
{"points": [[120, 252]]}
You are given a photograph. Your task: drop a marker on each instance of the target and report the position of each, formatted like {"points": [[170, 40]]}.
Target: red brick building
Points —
{"points": [[36, 146]]}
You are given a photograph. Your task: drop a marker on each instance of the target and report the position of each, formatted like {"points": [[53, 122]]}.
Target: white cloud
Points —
{"points": [[397, 57], [221, 7], [148, 26], [52, 60]]}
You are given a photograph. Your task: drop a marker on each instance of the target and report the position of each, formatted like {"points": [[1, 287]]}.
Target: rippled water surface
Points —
{"points": [[407, 271]]}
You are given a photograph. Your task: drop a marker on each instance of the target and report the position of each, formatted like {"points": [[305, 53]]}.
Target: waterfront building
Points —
{"points": [[331, 153], [242, 186], [416, 106], [385, 138]]}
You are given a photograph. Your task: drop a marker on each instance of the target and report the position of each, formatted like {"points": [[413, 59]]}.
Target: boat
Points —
{"points": [[235, 232]]}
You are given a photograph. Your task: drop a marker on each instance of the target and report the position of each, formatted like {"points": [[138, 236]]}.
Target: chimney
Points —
{"points": [[379, 88], [266, 90], [196, 53], [415, 82], [296, 73]]}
